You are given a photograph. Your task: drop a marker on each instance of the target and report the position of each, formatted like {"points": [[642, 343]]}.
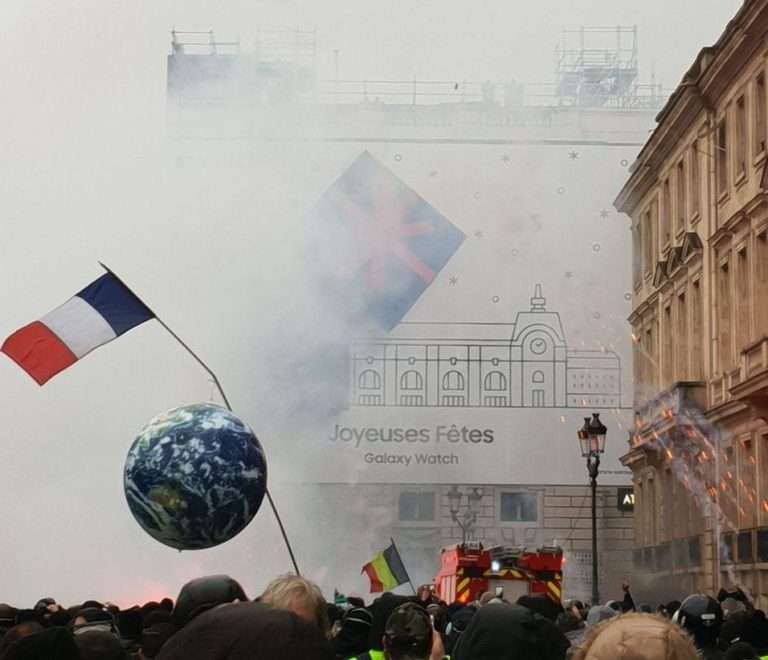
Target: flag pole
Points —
{"points": [[394, 545], [216, 382]]}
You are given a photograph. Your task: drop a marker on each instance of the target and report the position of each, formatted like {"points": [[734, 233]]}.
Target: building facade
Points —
{"points": [[418, 517], [232, 112], [699, 220]]}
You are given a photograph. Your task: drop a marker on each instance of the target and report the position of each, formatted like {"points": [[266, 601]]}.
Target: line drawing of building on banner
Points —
{"points": [[525, 364]]}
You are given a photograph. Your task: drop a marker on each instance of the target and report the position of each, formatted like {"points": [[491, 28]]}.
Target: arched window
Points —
{"points": [[411, 380], [495, 381], [453, 380], [369, 380], [538, 376]]}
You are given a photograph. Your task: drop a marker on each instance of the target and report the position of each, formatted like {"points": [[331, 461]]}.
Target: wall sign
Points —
{"points": [[626, 499]]}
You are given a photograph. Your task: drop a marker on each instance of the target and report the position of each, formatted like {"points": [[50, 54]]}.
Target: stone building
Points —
{"points": [[418, 516], [699, 222]]}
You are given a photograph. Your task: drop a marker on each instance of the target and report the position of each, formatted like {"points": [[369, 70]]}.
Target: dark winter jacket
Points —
{"points": [[51, 644], [247, 631], [501, 631]]}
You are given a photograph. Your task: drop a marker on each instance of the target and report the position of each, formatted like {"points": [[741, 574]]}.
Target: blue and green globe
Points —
{"points": [[195, 477]]}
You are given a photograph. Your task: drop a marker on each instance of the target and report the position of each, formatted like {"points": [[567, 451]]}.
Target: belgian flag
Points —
{"points": [[386, 570]]}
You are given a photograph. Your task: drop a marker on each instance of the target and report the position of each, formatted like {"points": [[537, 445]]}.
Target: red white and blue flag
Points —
{"points": [[102, 311], [389, 242]]}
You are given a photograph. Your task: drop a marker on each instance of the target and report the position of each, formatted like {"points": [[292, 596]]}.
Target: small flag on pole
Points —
{"points": [[386, 570], [102, 311]]}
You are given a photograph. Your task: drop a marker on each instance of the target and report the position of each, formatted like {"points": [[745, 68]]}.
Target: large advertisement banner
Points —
{"points": [[491, 335]]}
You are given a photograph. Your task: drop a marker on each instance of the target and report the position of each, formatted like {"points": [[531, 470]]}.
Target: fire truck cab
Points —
{"points": [[468, 570]]}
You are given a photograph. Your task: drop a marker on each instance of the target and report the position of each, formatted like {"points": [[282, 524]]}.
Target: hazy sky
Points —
{"points": [[82, 123]]}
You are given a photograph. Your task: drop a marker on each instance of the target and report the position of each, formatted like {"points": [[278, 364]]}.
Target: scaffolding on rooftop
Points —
{"points": [[598, 66], [595, 68]]}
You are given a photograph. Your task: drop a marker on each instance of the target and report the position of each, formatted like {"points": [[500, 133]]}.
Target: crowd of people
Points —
{"points": [[213, 619]]}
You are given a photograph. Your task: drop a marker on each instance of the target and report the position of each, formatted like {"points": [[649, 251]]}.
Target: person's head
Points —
{"points": [[7, 618], [701, 616], [672, 606], [18, 632], [149, 606], [335, 614], [549, 609], [381, 608], [300, 596], [154, 636], [731, 606], [156, 616], [458, 620], [245, 631], [408, 634], [99, 645], [50, 644], [202, 594], [636, 636], [92, 604], [568, 622], [741, 651], [44, 608], [129, 623], [510, 632], [599, 613], [576, 607], [93, 619], [45, 605], [352, 638], [424, 593]]}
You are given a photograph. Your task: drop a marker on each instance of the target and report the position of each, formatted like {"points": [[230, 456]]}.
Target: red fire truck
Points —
{"points": [[469, 570]]}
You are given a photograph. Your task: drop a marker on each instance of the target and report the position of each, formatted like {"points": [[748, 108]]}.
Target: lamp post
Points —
{"points": [[592, 440], [467, 521]]}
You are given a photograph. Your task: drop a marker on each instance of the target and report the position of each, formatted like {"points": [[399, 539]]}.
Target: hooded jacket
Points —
{"points": [[599, 613], [247, 631], [204, 593], [637, 637], [510, 632]]}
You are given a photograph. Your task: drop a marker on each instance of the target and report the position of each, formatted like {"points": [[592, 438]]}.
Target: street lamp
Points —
{"points": [[592, 440], [467, 521]]}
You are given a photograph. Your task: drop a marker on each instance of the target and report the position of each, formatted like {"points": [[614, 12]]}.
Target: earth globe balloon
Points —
{"points": [[195, 476]]}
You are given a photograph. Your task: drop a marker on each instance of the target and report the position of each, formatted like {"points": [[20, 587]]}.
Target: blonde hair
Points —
{"points": [[287, 591], [646, 636]]}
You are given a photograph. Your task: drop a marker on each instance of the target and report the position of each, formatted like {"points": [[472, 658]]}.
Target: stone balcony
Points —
{"points": [[748, 384]]}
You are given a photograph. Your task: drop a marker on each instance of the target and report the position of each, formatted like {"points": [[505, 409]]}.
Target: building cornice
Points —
{"points": [[663, 140], [727, 410], [647, 305], [703, 85], [720, 237], [752, 388]]}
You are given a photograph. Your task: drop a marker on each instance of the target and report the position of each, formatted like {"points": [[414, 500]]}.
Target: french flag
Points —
{"points": [[102, 311]]}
